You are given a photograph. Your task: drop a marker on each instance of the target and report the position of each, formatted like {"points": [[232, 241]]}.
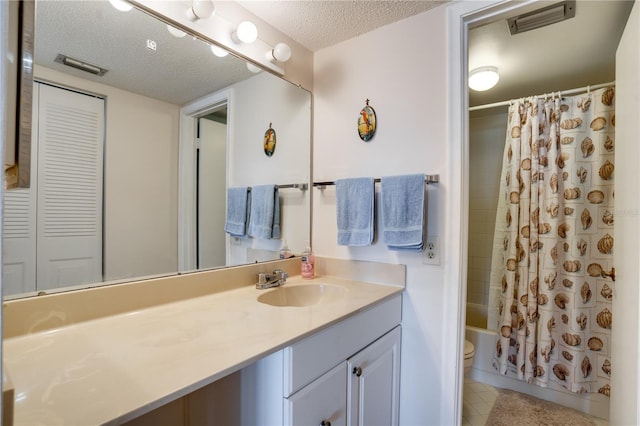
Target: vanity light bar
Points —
{"points": [[81, 65], [427, 179]]}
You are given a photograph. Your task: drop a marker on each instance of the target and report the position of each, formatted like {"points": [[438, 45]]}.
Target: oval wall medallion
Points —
{"points": [[367, 123], [269, 141]]}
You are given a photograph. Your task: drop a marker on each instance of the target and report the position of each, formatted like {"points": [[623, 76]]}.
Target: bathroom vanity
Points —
{"points": [[174, 350], [345, 374]]}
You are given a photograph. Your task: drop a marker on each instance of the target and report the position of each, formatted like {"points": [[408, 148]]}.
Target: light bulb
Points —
{"points": [[218, 51], [175, 32], [201, 9], [121, 5], [281, 52], [483, 78], [246, 32]]}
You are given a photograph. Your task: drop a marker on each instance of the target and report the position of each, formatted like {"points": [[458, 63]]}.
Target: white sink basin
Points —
{"points": [[302, 295]]}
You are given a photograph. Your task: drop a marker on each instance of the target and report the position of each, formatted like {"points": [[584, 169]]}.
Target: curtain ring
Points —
{"points": [[588, 90]]}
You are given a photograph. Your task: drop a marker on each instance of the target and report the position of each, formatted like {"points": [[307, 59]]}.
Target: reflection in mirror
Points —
{"points": [[112, 173]]}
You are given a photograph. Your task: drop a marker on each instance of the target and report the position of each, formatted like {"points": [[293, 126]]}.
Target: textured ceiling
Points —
{"points": [[317, 24], [574, 53], [179, 71], [183, 69]]}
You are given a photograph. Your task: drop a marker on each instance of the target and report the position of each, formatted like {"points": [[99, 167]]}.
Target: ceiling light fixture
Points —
{"points": [[201, 9], [281, 53], [483, 78], [246, 33], [121, 5], [219, 51]]}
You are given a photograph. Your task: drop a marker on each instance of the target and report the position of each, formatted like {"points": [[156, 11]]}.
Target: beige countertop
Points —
{"points": [[115, 368]]}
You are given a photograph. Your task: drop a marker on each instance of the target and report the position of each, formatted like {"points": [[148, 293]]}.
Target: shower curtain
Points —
{"points": [[555, 231]]}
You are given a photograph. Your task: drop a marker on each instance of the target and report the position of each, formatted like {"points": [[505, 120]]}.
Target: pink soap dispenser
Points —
{"points": [[308, 267]]}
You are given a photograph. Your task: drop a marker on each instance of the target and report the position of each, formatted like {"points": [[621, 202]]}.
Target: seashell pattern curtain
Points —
{"points": [[554, 242]]}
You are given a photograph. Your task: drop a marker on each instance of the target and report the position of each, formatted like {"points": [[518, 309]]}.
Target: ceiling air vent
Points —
{"points": [[81, 65], [542, 17]]}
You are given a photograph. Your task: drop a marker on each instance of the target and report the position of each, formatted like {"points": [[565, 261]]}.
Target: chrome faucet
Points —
{"points": [[277, 278]]}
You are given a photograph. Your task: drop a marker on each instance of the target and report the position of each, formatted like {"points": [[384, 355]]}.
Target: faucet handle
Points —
{"points": [[282, 273], [263, 278]]}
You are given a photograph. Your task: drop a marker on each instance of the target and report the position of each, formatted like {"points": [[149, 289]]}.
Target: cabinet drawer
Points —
{"points": [[325, 399], [308, 359]]}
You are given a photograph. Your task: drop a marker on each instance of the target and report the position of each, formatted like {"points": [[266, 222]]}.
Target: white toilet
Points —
{"points": [[469, 352]]}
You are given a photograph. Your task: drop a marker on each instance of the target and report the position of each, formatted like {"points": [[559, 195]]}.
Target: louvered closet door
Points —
{"points": [[19, 241], [69, 211], [19, 229]]}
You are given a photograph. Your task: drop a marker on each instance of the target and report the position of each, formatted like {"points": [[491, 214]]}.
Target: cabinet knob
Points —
{"points": [[357, 371], [325, 423]]}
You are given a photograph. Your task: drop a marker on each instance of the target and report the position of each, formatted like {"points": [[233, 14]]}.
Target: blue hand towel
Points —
{"points": [[275, 231], [265, 209], [354, 202], [402, 203], [237, 211]]}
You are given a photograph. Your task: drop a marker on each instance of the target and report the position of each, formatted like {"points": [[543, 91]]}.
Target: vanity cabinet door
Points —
{"points": [[320, 403], [373, 384]]}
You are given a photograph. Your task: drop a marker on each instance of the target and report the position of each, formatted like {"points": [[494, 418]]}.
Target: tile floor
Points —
{"points": [[478, 400]]}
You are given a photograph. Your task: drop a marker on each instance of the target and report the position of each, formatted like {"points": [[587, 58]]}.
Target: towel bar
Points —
{"points": [[427, 179], [300, 186]]}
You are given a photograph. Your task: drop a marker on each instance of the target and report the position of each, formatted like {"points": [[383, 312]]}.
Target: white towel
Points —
{"points": [[402, 200]]}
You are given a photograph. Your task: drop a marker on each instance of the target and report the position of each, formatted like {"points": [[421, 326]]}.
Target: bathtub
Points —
{"points": [[477, 315], [483, 371]]}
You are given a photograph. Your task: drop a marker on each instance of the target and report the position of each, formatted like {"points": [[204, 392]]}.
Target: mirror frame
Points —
{"points": [[18, 140]]}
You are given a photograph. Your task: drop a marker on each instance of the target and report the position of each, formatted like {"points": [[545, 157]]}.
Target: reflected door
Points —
{"points": [[56, 237], [70, 168], [212, 171]]}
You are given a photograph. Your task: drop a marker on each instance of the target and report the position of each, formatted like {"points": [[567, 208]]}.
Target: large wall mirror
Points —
{"points": [[138, 132]]}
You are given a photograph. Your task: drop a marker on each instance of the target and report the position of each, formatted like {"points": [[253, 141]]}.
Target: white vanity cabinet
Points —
{"points": [[373, 384], [347, 374], [321, 402], [360, 391]]}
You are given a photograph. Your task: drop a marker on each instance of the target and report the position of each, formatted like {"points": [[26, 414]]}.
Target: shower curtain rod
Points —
{"points": [[564, 92]]}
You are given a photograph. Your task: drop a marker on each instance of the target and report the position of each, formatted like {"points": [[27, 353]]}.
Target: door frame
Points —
{"points": [[461, 16], [187, 250]]}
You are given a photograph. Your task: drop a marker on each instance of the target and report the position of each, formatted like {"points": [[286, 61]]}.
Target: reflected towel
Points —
{"points": [[237, 211], [275, 231], [354, 203], [265, 212], [402, 202]]}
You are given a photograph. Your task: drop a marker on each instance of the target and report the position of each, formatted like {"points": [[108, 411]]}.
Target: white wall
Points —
{"points": [[625, 352], [141, 180], [401, 69], [257, 102]]}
